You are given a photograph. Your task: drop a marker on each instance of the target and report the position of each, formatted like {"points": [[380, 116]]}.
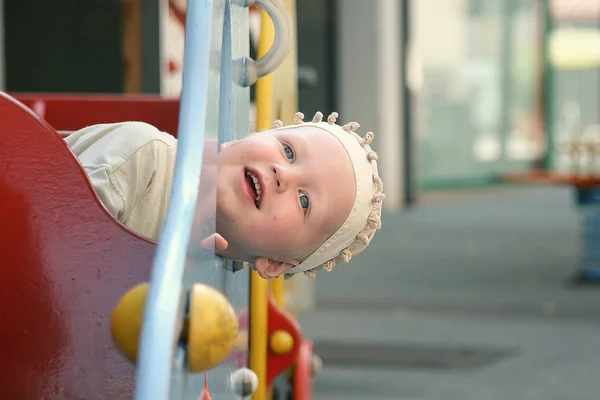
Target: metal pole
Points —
{"points": [[369, 86], [259, 289], [407, 168], [390, 94], [506, 82], [165, 301], [548, 86]]}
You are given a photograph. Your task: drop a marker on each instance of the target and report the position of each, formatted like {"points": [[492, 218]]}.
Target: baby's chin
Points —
{"points": [[234, 252]]}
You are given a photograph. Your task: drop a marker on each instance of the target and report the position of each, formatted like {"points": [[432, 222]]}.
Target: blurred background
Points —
{"points": [[481, 284]]}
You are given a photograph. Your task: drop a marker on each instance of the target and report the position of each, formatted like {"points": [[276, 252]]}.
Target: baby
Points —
{"points": [[292, 199]]}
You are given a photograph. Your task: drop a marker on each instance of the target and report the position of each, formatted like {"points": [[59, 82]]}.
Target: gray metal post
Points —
{"points": [[370, 88]]}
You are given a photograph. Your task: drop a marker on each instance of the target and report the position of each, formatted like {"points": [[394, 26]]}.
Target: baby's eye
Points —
{"points": [[304, 202], [289, 153]]}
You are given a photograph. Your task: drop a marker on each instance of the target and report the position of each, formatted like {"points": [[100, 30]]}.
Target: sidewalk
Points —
{"points": [[467, 298]]}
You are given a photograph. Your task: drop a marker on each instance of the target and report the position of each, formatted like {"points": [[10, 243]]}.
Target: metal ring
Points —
{"points": [[250, 70]]}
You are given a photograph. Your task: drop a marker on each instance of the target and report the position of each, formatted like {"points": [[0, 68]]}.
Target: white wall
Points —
{"points": [[439, 29]]}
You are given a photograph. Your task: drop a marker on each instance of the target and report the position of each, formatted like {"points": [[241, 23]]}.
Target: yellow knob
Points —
{"points": [[211, 329], [126, 320], [281, 342]]}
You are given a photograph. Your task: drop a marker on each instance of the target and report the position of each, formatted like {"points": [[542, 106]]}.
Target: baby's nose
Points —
{"points": [[281, 178]]}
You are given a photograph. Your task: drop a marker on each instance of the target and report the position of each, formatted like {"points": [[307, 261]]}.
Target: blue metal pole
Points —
{"points": [[164, 305]]}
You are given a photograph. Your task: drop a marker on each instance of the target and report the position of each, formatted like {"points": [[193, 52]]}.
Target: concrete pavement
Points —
{"points": [[466, 297]]}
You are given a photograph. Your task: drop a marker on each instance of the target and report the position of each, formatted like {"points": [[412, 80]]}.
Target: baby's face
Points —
{"points": [[282, 193]]}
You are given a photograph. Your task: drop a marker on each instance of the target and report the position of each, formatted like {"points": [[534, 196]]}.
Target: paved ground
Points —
{"points": [[467, 297]]}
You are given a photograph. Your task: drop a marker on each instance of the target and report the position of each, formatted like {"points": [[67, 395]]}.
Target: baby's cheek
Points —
{"points": [[279, 226], [286, 223]]}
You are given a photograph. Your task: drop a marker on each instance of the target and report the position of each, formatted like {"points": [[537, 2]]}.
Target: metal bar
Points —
{"points": [[507, 10], [333, 62], [548, 87], [408, 164], [259, 286], [389, 93], [164, 310], [285, 104]]}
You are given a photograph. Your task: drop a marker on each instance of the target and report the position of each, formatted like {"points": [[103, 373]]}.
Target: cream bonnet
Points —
{"points": [[365, 217]]}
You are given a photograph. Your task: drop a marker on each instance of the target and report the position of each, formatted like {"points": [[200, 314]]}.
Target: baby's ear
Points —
{"points": [[269, 268]]}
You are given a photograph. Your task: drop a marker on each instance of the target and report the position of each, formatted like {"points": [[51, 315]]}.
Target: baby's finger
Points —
{"points": [[215, 240], [220, 243]]}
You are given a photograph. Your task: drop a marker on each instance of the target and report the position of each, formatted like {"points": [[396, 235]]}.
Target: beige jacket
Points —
{"points": [[130, 166]]}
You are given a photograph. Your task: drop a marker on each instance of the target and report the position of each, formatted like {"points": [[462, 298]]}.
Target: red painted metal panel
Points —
{"points": [[302, 385], [72, 112], [279, 320], [65, 263]]}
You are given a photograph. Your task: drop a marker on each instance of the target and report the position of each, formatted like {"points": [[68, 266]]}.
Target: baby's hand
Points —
{"points": [[217, 240]]}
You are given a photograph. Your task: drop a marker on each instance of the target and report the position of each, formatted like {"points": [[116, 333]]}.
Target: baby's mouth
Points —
{"points": [[254, 185]]}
